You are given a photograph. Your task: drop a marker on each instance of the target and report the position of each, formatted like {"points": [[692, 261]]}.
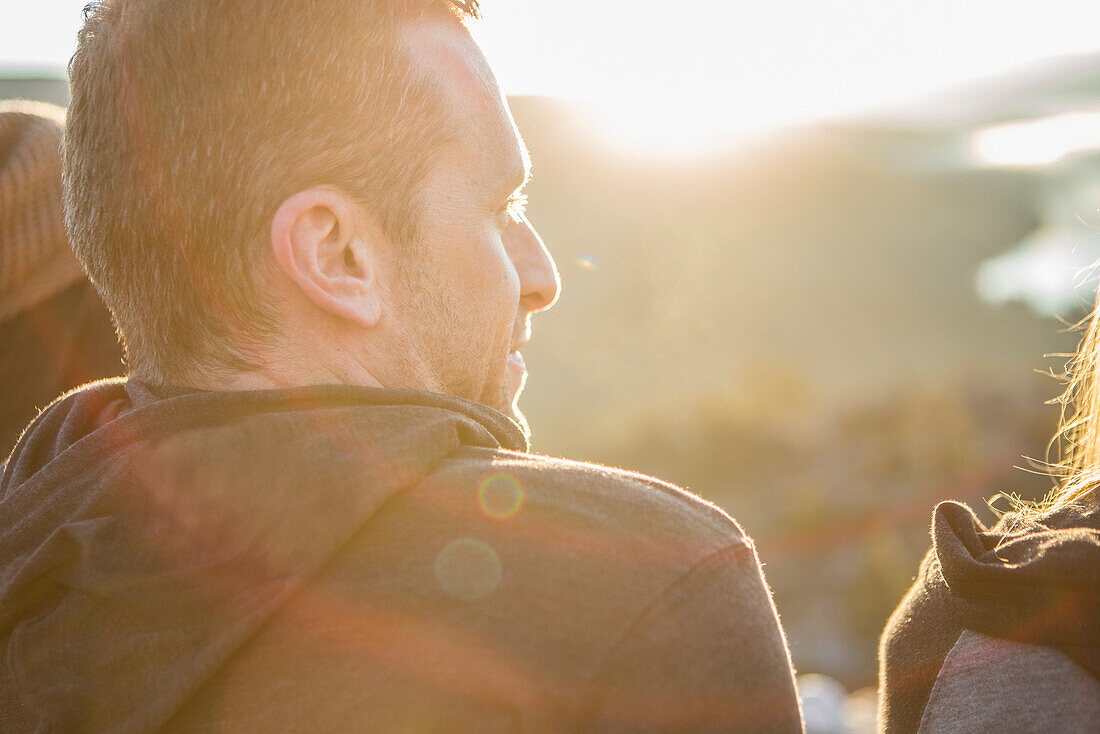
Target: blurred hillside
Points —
{"points": [[791, 329], [814, 257]]}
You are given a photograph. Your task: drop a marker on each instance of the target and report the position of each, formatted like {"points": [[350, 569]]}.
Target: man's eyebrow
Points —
{"points": [[525, 158]]}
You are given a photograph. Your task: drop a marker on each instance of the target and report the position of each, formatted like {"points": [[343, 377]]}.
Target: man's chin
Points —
{"points": [[511, 387], [521, 420], [507, 402]]}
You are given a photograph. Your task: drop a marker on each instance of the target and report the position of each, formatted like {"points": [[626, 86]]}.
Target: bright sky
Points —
{"points": [[699, 70]]}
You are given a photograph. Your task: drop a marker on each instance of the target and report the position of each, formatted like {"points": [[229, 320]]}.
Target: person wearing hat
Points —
{"points": [[55, 331]]}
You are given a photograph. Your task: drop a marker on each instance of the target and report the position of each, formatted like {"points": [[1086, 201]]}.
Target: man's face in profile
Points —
{"points": [[479, 270]]}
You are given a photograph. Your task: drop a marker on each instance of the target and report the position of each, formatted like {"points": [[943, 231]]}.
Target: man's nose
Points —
{"points": [[539, 282]]}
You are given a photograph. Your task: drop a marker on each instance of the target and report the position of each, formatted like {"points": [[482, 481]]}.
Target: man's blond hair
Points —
{"points": [[191, 122]]}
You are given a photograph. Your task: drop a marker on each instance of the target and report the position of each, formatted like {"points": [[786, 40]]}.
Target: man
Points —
{"points": [[308, 509]]}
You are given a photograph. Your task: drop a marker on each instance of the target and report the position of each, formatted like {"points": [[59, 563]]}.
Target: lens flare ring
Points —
{"points": [[500, 496], [468, 569]]}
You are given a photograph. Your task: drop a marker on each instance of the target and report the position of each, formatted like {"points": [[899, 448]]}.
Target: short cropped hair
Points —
{"points": [[189, 124]]}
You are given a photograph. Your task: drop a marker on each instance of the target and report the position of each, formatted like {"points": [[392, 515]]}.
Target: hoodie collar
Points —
{"points": [[1034, 581]]}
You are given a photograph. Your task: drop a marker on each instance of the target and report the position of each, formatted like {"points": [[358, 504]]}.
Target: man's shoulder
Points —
{"points": [[615, 502]]}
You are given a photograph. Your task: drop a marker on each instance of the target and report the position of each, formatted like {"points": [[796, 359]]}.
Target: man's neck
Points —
{"points": [[284, 376]]}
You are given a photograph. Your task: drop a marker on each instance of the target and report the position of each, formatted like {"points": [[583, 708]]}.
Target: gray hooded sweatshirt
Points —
{"points": [[351, 559]]}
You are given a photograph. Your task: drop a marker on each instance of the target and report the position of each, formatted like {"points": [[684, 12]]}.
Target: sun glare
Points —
{"points": [[658, 130], [689, 76], [664, 78]]}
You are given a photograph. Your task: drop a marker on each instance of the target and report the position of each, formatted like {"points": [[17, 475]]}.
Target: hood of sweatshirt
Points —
{"points": [[1034, 581], [144, 531]]}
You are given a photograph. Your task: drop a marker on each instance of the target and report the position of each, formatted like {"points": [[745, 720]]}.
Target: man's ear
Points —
{"points": [[316, 243]]}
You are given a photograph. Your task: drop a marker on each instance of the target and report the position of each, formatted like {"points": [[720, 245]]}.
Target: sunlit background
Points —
{"points": [[814, 255]]}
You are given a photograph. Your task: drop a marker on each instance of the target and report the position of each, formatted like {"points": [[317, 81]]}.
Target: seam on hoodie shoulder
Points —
{"points": [[741, 546]]}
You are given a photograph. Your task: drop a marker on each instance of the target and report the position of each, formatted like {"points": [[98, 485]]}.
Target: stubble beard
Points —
{"points": [[450, 372], [507, 402]]}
